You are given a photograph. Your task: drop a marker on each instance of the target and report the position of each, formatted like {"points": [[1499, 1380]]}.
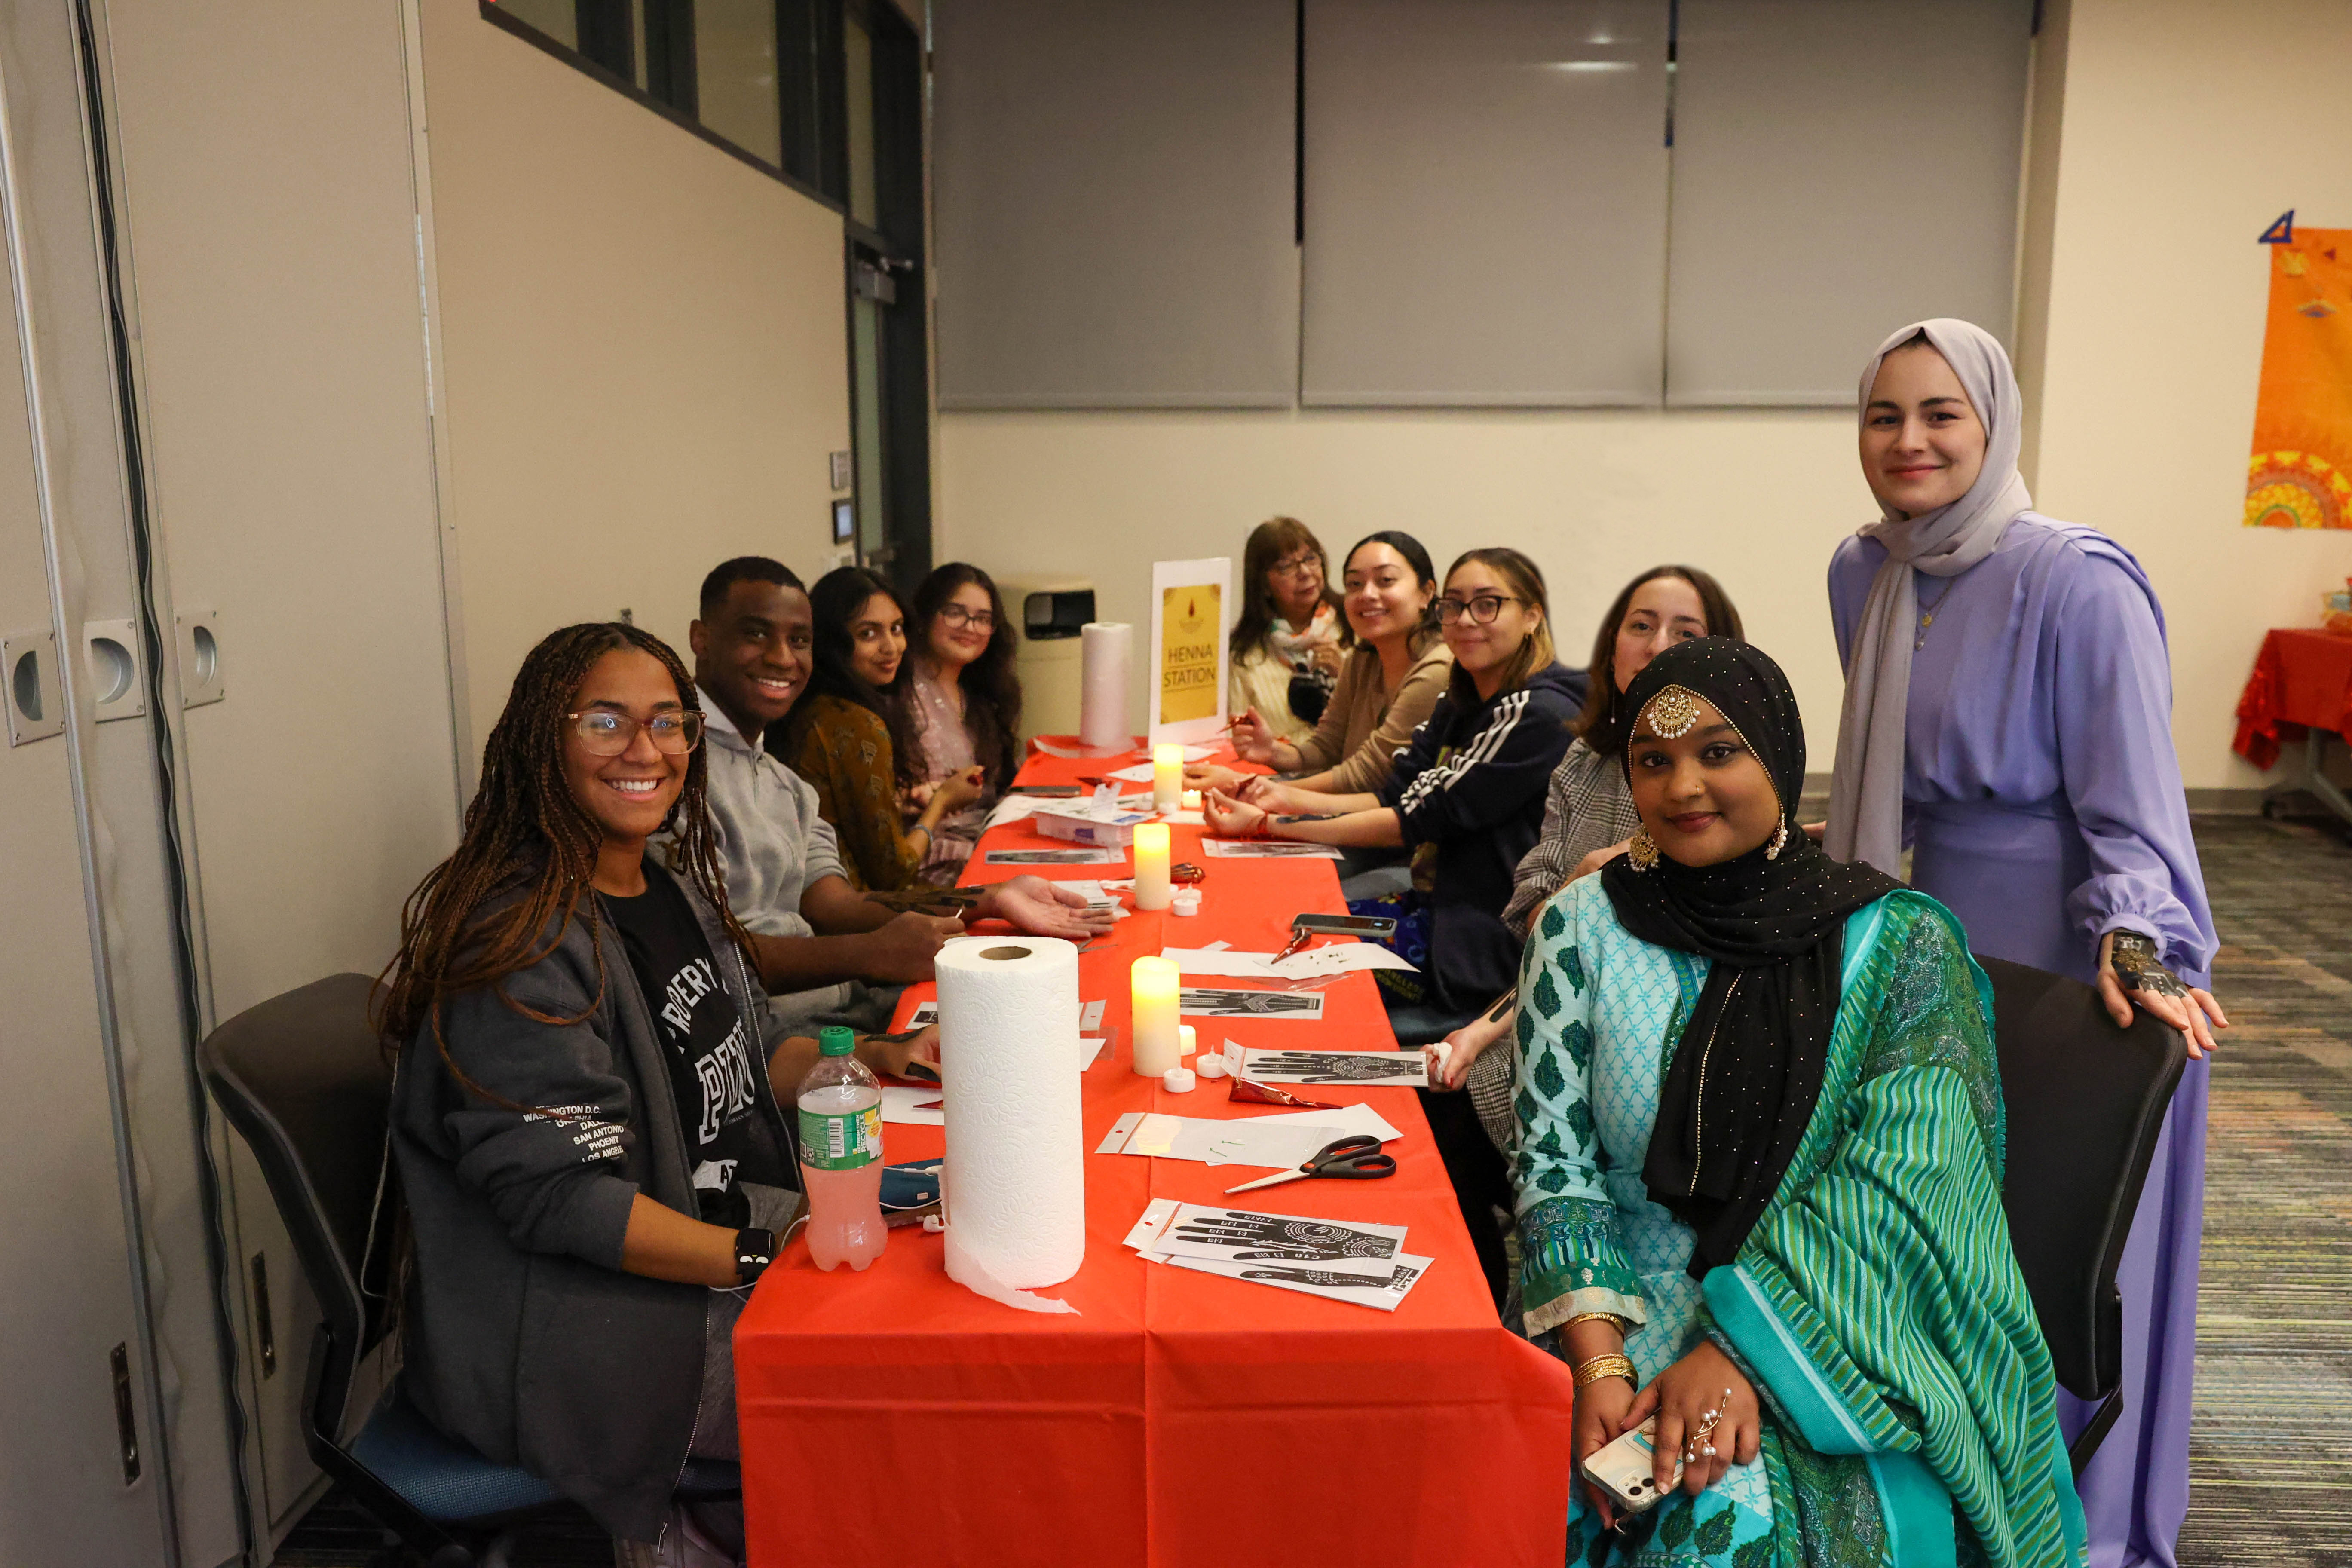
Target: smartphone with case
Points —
{"points": [[1366, 926], [1626, 1470]]}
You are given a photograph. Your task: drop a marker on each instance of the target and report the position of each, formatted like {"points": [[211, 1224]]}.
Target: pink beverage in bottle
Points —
{"points": [[841, 1156]]}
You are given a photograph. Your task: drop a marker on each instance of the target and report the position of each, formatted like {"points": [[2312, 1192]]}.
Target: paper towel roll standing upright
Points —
{"points": [[1106, 649], [1016, 1197]]}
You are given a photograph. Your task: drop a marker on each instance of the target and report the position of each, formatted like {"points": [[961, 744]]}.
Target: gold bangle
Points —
{"points": [[1602, 1366], [1621, 1323]]}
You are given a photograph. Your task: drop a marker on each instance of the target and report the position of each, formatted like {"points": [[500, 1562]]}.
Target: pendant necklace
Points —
{"points": [[1927, 615]]}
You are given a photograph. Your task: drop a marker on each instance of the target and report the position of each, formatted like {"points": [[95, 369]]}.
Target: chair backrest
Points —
{"points": [[304, 1078], [2086, 1103]]}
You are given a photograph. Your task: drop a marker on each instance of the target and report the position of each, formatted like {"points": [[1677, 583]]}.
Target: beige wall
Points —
{"points": [[645, 353], [1759, 498], [2172, 156], [2158, 155]]}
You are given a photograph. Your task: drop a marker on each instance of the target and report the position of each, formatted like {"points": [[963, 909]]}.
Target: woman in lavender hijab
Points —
{"points": [[2007, 718]]}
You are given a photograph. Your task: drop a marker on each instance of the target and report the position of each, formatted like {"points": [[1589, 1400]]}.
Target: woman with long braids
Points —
{"points": [[851, 737], [585, 1115], [1760, 1142]]}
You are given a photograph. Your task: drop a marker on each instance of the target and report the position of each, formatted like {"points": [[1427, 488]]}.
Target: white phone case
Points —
{"points": [[1625, 1469]]}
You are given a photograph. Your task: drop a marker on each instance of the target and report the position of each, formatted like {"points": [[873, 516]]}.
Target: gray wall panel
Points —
{"points": [[1485, 202], [1840, 167], [1114, 185]]}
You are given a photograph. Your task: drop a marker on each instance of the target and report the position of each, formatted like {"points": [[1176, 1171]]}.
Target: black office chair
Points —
{"points": [[2086, 1103], [302, 1077]]}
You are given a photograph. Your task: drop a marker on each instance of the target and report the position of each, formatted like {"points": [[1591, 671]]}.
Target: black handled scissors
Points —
{"points": [[1352, 1159]]}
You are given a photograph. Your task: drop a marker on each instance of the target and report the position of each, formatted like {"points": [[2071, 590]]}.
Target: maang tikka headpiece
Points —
{"points": [[1671, 713]]}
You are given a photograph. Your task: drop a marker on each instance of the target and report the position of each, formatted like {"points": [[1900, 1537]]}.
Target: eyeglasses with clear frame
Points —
{"points": [[1482, 608], [957, 616], [604, 734]]}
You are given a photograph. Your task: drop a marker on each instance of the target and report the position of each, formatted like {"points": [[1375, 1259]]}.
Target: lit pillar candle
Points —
{"points": [[1155, 983], [1167, 777], [1151, 887]]}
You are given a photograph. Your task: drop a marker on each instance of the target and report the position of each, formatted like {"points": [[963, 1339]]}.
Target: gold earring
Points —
{"points": [[1779, 840], [1643, 850]]}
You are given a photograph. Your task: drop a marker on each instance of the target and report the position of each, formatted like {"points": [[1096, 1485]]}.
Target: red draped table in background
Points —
{"points": [[1180, 1418], [2302, 684]]}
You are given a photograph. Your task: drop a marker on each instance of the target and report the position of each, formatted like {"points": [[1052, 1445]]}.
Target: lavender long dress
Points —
{"points": [[2043, 806]]}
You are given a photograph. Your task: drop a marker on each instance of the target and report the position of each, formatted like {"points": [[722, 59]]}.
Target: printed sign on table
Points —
{"points": [[1188, 649]]}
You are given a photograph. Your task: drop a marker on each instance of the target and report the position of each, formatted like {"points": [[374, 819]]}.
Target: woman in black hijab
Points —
{"points": [[1760, 1175]]}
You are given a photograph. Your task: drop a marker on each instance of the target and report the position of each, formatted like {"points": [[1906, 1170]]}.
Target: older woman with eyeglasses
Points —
{"points": [[1290, 639]]}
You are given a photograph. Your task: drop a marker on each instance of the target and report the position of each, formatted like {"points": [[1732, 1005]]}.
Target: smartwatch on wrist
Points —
{"points": [[754, 1250]]}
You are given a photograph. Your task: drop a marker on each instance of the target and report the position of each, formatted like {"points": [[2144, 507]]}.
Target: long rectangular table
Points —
{"points": [[1178, 1418]]}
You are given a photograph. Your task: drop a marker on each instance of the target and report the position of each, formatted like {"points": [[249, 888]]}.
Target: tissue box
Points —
{"points": [[1086, 823]]}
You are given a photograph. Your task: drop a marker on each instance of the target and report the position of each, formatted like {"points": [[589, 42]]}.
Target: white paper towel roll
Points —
{"points": [[1016, 1198], [1106, 650]]}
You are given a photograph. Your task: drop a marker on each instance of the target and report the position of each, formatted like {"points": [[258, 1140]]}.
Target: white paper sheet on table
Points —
{"points": [[1014, 808], [912, 1107], [1055, 749], [1230, 1236], [1082, 855], [1314, 964], [1275, 1142], [1309, 1280], [1269, 850], [1349, 1069], [1305, 1007], [1140, 773]]}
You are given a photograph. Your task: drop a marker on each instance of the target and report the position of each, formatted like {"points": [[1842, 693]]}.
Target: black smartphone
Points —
{"points": [[1051, 792], [1344, 925]]}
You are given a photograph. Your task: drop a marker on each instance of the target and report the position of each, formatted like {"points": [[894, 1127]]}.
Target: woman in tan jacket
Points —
{"points": [[1391, 681]]}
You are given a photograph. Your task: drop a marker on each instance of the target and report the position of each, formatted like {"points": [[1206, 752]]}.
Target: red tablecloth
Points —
{"points": [[894, 1417], [2302, 680]]}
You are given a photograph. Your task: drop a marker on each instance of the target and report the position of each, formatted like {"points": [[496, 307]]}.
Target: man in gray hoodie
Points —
{"points": [[826, 951]]}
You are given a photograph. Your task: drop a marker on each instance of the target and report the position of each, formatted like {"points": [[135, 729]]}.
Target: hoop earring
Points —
{"points": [[1643, 850], [1779, 840]]}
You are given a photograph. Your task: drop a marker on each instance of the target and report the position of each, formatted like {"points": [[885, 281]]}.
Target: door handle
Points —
{"points": [[28, 671]]}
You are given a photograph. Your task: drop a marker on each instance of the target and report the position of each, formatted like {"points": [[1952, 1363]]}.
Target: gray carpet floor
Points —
{"points": [[2271, 1458], [2271, 1452]]}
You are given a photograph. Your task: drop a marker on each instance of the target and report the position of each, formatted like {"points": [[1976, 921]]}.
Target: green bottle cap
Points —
{"points": [[834, 1041]]}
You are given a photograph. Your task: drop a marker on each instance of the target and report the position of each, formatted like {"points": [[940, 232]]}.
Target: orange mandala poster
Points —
{"points": [[2301, 473]]}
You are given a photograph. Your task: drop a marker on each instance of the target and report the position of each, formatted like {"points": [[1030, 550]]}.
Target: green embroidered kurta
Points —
{"points": [[1876, 1307]]}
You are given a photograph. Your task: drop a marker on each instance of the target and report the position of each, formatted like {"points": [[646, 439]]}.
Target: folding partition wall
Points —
{"points": [[1464, 203]]}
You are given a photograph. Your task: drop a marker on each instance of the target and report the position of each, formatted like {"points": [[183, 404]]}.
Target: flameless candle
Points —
{"points": [[1167, 777], [1155, 982], [1189, 801], [1151, 885], [1186, 1042]]}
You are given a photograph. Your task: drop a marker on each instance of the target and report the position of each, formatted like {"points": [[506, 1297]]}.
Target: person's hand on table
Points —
{"points": [[1207, 776], [2131, 973], [904, 946], [1703, 1386], [1601, 1407], [1269, 795], [1229, 818], [1447, 1068], [1253, 738], [1598, 858], [913, 1055], [1041, 908]]}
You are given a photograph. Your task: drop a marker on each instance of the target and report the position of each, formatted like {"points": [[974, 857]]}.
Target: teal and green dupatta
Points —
{"points": [[1877, 1303]]}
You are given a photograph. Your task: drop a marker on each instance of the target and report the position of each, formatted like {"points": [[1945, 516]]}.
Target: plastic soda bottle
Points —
{"points": [[840, 1154]]}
